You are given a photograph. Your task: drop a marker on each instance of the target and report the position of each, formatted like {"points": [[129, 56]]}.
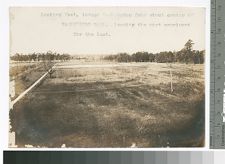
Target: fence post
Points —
{"points": [[171, 79]]}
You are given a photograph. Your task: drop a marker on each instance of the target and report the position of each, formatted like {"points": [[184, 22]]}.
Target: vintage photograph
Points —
{"points": [[107, 77]]}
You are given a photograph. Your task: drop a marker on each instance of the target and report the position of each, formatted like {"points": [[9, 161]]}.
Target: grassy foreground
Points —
{"points": [[114, 107]]}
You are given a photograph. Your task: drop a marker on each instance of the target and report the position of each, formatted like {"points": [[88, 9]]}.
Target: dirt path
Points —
{"points": [[60, 66], [29, 89]]}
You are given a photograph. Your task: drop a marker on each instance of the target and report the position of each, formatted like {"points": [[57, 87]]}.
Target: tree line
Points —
{"points": [[48, 56], [185, 55]]}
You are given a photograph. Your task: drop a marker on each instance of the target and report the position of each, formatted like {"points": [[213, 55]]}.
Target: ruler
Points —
{"points": [[217, 78]]}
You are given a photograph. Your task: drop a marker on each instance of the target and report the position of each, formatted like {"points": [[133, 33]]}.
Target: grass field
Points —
{"points": [[114, 105]]}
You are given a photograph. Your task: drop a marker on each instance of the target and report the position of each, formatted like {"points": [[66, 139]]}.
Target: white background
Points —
{"points": [[4, 51]]}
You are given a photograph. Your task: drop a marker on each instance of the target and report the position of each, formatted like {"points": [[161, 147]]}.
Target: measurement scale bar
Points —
{"points": [[217, 72]]}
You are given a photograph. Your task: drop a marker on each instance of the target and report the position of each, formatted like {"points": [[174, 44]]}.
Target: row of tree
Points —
{"points": [[196, 57], [185, 55], [49, 56]]}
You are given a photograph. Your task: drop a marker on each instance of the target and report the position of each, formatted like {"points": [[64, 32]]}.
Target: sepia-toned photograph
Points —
{"points": [[107, 77]]}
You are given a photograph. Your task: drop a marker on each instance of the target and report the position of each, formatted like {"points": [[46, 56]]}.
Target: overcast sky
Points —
{"points": [[77, 30]]}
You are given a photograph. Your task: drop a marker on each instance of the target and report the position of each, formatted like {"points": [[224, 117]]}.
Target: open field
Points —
{"points": [[95, 104]]}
